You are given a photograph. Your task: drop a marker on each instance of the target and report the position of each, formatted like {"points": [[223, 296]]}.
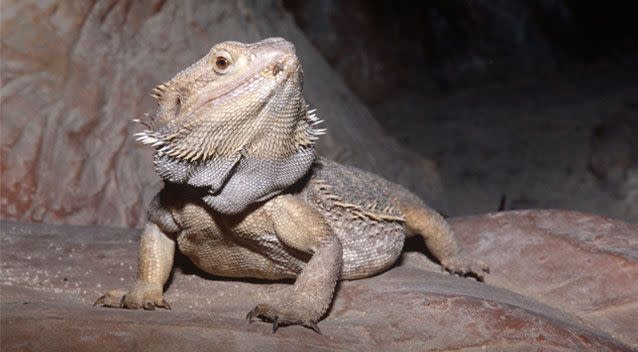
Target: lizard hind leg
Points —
{"points": [[441, 241]]}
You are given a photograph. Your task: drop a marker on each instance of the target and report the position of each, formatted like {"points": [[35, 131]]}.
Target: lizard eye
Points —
{"points": [[221, 63]]}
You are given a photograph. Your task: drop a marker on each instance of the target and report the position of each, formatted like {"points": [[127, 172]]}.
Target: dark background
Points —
{"points": [[459, 42], [522, 104]]}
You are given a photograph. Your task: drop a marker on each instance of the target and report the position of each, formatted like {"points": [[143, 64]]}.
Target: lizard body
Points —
{"points": [[246, 196]]}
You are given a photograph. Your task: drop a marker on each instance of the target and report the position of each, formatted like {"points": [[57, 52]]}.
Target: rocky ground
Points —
{"points": [[560, 281]]}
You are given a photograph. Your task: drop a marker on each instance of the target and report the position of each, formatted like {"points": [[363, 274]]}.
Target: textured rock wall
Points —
{"points": [[74, 74]]}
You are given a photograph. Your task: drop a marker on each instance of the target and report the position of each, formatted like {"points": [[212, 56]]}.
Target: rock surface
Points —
{"points": [[560, 281], [582, 264], [75, 73]]}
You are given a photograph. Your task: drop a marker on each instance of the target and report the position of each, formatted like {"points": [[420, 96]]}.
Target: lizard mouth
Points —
{"points": [[274, 76]]}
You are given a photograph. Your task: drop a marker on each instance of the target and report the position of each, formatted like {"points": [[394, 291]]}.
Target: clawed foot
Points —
{"points": [[281, 317], [464, 267], [111, 299], [141, 296]]}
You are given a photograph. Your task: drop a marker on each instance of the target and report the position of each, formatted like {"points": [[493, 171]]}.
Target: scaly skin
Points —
{"points": [[245, 195]]}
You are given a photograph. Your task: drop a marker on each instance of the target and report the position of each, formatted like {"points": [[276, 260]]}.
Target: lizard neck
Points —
{"points": [[234, 182]]}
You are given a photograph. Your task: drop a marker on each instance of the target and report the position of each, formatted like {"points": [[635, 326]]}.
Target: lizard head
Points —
{"points": [[234, 123], [238, 99]]}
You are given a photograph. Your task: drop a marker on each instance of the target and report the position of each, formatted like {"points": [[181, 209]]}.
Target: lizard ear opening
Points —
{"points": [[178, 105]]}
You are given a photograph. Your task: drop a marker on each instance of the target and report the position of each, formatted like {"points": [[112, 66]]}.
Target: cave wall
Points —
{"points": [[75, 73]]}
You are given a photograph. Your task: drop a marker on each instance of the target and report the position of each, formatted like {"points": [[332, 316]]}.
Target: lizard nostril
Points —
{"points": [[278, 67]]}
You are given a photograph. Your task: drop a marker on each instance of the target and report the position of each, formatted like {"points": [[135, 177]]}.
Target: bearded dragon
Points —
{"points": [[245, 194]]}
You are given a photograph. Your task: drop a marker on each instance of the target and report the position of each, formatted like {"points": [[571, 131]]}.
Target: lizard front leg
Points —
{"points": [[154, 264], [300, 226]]}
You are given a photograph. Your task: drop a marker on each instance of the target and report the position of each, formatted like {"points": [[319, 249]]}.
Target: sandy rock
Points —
{"points": [[582, 264], [552, 287]]}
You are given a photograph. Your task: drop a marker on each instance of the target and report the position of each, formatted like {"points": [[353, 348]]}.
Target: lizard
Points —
{"points": [[245, 194]]}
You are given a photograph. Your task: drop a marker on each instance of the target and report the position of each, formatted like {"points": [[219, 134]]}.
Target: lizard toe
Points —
{"points": [[280, 318], [463, 267], [146, 304], [141, 296], [151, 305], [111, 299]]}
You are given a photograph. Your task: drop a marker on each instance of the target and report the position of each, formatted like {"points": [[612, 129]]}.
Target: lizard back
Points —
{"points": [[363, 212]]}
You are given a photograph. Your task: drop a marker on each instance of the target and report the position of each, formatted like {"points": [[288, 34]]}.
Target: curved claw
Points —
{"points": [[111, 299], [314, 327], [141, 296], [250, 316], [99, 301], [279, 318], [275, 324], [484, 266], [259, 310], [466, 268], [263, 311], [164, 305], [148, 305]]}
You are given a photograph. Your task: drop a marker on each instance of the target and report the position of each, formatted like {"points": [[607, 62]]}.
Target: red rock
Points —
{"points": [[582, 264]]}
